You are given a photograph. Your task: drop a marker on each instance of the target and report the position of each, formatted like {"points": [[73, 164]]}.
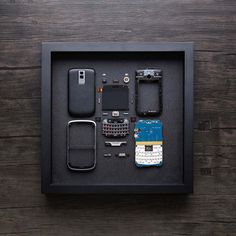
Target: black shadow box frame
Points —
{"points": [[50, 182]]}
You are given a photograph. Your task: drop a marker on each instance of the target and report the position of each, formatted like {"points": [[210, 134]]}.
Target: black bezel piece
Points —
{"points": [[148, 76]]}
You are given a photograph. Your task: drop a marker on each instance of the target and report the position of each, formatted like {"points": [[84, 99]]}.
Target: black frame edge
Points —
{"points": [[46, 165]]}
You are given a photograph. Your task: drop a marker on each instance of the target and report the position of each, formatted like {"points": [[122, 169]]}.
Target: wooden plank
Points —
{"points": [[86, 214], [19, 117], [18, 151], [20, 83], [35, 21], [139, 228], [215, 174], [29, 15], [215, 137], [214, 119]]}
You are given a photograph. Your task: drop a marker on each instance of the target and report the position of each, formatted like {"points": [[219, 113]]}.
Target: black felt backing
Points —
{"points": [[114, 170]]}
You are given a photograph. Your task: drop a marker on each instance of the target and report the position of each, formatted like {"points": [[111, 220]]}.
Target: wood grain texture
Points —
{"points": [[210, 24]]}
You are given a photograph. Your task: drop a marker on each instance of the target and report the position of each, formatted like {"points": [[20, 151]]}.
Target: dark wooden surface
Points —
{"points": [[210, 24]]}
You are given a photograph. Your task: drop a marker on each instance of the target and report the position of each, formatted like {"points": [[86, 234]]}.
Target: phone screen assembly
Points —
{"points": [[148, 92]]}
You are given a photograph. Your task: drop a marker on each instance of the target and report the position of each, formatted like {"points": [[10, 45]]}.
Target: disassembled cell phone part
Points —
{"points": [[115, 127], [114, 118], [81, 152], [148, 92], [115, 97], [148, 143], [107, 155], [126, 79], [115, 144], [81, 85], [122, 154], [115, 113]]}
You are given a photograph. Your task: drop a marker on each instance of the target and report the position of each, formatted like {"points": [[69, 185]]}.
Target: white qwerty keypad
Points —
{"points": [[144, 157]]}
